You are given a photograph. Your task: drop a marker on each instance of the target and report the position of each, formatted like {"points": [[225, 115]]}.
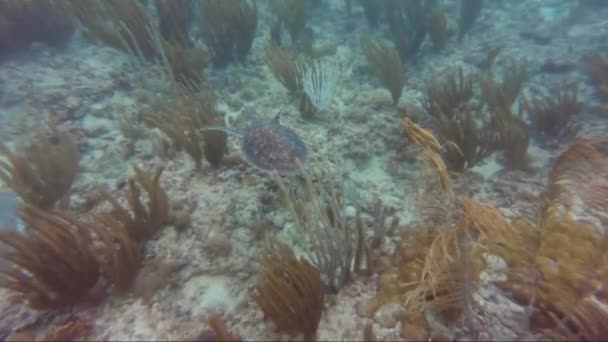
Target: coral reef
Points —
{"points": [[468, 205]]}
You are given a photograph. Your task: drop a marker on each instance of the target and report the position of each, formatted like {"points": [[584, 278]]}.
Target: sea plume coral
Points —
{"points": [[558, 267], [577, 181], [54, 265], [283, 66], [120, 24], [430, 150], [445, 97], [465, 142], [289, 291], [183, 120], [437, 267], [143, 221], [386, 65], [17, 29], [42, 170], [118, 254], [126, 25], [338, 245], [228, 28], [551, 114]]}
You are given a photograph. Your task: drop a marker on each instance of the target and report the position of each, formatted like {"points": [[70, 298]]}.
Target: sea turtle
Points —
{"points": [[269, 146]]}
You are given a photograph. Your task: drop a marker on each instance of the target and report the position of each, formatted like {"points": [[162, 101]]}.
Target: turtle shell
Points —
{"points": [[270, 146]]}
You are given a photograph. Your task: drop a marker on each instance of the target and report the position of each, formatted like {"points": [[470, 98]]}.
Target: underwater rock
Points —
{"points": [[389, 315]]}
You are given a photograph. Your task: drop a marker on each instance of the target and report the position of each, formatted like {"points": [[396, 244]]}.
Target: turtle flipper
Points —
{"points": [[228, 130], [251, 115]]}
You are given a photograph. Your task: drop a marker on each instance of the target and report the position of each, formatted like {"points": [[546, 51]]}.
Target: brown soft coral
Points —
{"points": [[25, 21], [439, 262], [41, 172], [290, 291], [184, 119], [55, 265], [386, 65], [577, 181], [559, 267], [551, 114], [60, 261], [143, 221]]}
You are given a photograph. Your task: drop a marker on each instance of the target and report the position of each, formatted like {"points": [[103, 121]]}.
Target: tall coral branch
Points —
{"points": [[320, 217], [183, 120], [41, 172], [229, 28], [386, 65], [143, 221], [289, 291], [55, 264], [283, 66], [119, 255]]}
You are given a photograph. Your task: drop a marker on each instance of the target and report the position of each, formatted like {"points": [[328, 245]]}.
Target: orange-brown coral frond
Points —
{"points": [[42, 171], [578, 176], [119, 255], [283, 66], [482, 219], [290, 291], [183, 119], [420, 136], [386, 64], [445, 97], [454, 260], [142, 220], [586, 321], [430, 149], [54, 265], [551, 113]]}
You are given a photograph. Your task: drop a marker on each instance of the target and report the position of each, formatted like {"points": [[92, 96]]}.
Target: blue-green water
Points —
{"points": [[415, 170]]}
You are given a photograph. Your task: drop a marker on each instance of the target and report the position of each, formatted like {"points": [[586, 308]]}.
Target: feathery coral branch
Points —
{"points": [[55, 264], [289, 291]]}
